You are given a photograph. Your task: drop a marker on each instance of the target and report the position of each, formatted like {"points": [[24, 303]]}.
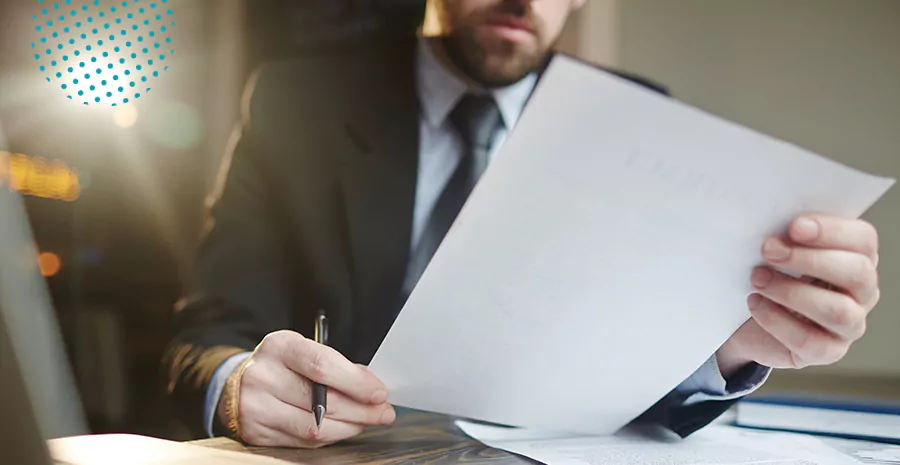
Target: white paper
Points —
{"points": [[603, 257], [866, 451], [712, 445], [120, 449]]}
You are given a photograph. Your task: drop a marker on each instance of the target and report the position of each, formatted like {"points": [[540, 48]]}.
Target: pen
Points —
{"points": [[319, 391]]}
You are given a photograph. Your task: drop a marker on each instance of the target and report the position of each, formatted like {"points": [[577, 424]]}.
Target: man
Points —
{"points": [[347, 173]]}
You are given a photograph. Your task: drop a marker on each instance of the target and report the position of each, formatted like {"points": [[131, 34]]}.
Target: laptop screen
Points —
{"points": [[37, 395]]}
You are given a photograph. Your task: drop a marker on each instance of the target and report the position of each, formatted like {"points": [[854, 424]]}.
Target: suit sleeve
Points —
{"points": [[242, 279], [687, 411]]}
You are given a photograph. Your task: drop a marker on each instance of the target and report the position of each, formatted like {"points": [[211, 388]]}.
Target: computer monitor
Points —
{"points": [[38, 400]]}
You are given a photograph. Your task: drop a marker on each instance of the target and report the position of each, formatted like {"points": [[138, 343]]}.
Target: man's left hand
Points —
{"points": [[812, 320]]}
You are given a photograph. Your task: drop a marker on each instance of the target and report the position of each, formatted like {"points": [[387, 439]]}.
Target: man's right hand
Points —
{"points": [[271, 394]]}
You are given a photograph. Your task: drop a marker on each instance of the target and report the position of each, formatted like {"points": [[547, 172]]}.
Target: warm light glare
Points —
{"points": [[39, 177], [49, 263], [125, 116]]}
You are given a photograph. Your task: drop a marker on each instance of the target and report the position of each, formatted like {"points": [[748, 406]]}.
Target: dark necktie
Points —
{"points": [[476, 118]]}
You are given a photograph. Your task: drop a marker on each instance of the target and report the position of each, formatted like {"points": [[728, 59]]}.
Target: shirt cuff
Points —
{"points": [[707, 383], [214, 390]]}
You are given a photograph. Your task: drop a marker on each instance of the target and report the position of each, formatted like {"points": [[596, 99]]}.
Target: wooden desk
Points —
{"points": [[427, 438], [416, 437]]}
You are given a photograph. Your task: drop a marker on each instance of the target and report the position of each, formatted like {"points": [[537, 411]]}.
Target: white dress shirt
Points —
{"points": [[441, 149]]}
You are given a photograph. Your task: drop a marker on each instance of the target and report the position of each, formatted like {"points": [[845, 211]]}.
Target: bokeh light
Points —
{"points": [[49, 263], [172, 124], [125, 116], [103, 52]]}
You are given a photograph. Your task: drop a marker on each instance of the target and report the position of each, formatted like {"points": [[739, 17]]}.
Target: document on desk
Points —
{"points": [[713, 445], [119, 449], [866, 451], [603, 257]]}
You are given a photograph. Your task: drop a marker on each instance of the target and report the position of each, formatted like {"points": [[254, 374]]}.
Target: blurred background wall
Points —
{"points": [[822, 74]]}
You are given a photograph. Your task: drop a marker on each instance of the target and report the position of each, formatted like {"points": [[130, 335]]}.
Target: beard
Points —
{"points": [[493, 61]]}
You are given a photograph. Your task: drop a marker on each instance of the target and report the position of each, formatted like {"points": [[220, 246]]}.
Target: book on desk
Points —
{"points": [[844, 417]]}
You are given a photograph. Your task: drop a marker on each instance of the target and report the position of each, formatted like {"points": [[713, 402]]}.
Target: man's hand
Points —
{"points": [[270, 395], [814, 319]]}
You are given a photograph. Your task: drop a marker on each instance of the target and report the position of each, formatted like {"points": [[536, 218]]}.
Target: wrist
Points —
{"points": [[730, 360], [228, 406]]}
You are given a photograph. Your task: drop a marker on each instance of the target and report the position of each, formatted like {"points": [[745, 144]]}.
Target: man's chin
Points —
{"points": [[501, 70], [514, 44], [494, 62]]}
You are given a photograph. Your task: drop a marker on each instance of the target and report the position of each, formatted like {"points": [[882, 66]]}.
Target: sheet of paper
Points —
{"points": [[713, 445], [118, 449], [603, 257], [866, 451]]}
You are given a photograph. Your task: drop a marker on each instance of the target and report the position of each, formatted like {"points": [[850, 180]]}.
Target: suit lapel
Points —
{"points": [[378, 179]]}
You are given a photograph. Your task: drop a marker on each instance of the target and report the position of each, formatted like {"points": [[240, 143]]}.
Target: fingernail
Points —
{"points": [[776, 250], [379, 397], [805, 229], [761, 277], [388, 416], [753, 301]]}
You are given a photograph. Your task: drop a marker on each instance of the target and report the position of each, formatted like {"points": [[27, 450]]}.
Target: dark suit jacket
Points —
{"points": [[314, 211]]}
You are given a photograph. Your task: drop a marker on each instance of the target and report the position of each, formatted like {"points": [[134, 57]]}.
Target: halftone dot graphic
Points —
{"points": [[144, 27]]}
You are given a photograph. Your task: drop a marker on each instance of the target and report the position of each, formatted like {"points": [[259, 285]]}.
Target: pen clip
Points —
{"points": [[321, 328]]}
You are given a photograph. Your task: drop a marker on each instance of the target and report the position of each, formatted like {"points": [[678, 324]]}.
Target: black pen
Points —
{"points": [[319, 391]]}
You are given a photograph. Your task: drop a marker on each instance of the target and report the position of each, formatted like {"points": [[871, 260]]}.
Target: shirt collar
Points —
{"points": [[439, 91]]}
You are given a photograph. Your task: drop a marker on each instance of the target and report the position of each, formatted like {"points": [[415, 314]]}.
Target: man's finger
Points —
{"points": [[761, 346], [851, 271], [291, 388], [344, 408], [327, 366], [259, 434], [809, 344], [834, 311], [298, 424], [829, 232]]}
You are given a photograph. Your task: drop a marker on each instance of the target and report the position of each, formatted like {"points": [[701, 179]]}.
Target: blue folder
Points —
{"points": [[800, 409]]}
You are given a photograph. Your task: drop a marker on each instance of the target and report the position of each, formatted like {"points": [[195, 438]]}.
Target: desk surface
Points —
{"points": [[429, 438], [416, 437]]}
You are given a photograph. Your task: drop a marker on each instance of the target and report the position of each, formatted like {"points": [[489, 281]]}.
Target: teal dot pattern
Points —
{"points": [[128, 41]]}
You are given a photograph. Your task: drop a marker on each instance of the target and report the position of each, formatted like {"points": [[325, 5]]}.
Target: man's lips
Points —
{"points": [[510, 28], [511, 22]]}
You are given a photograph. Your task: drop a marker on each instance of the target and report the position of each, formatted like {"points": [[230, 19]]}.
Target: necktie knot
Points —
{"points": [[476, 118]]}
